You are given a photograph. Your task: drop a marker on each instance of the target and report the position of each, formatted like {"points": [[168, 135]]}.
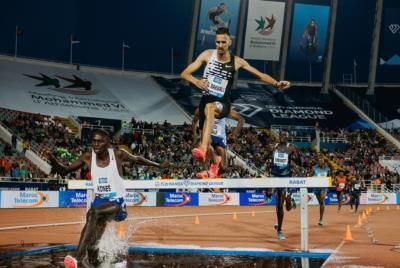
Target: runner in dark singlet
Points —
{"points": [[216, 84], [281, 167], [355, 187]]}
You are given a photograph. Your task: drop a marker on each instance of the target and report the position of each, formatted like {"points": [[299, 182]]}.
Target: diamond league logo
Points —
{"points": [[394, 28], [186, 183]]}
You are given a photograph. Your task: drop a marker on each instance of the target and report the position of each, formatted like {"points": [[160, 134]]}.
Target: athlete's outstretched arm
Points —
{"points": [[187, 74], [125, 155], [57, 167], [241, 63]]}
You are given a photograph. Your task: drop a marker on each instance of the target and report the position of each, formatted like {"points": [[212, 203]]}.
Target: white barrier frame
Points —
{"points": [[291, 182]]}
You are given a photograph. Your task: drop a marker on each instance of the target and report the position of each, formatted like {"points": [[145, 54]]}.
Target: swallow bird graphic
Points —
{"points": [[77, 82], [46, 80]]}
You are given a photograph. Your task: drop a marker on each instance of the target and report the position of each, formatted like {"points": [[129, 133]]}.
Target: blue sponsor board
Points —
{"points": [[332, 199], [72, 199], [180, 199], [256, 199], [398, 199]]}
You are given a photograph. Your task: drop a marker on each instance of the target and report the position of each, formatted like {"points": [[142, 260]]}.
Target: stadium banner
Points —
{"points": [[389, 47], [219, 199], [72, 199], [141, 199], [256, 199], [29, 199], [264, 30], [309, 33], [263, 106], [398, 198], [215, 14], [56, 91], [378, 198], [177, 199], [332, 199], [273, 182], [23, 186]]}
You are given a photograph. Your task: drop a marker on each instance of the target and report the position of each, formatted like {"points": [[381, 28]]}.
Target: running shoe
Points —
{"points": [[70, 262], [321, 223], [199, 154], [214, 167], [280, 235], [202, 174], [288, 203]]}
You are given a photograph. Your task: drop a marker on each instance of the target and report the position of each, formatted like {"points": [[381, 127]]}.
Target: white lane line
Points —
{"points": [[333, 257], [130, 219]]}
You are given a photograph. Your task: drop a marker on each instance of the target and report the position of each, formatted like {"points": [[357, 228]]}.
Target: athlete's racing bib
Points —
{"points": [[340, 187], [104, 188], [281, 159], [216, 86]]}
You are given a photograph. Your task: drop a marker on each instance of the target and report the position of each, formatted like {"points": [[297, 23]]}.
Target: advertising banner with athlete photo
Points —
{"points": [[264, 30], [389, 47], [309, 33], [216, 14]]}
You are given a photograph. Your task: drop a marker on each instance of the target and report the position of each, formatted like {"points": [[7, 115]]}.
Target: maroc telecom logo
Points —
{"points": [[139, 199], [75, 85], [265, 25], [377, 199], [39, 200], [220, 199], [185, 200]]}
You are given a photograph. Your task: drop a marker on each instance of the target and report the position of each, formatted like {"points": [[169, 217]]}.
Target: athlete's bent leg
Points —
{"points": [[321, 201], [94, 227]]}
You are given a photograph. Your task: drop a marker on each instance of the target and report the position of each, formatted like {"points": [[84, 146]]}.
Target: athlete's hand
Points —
{"points": [[282, 85], [202, 84], [232, 138], [164, 164]]}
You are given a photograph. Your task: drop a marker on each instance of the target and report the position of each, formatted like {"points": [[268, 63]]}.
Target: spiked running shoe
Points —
{"points": [[199, 154], [70, 262]]}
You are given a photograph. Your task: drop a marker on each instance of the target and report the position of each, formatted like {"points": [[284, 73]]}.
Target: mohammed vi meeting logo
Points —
{"points": [[74, 85], [265, 25]]}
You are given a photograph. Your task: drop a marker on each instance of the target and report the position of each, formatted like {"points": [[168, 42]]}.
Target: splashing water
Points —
{"points": [[114, 244]]}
